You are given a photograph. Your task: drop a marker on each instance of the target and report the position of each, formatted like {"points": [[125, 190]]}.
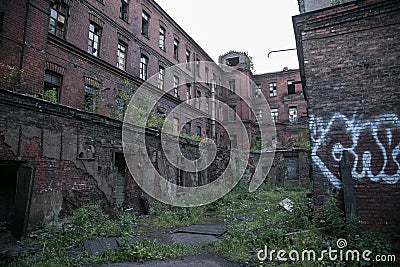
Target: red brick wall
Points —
{"points": [[350, 65], [287, 133]]}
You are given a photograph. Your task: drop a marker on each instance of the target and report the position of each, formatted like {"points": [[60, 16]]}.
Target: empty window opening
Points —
{"points": [[198, 131], [90, 102], [232, 61], [188, 59], [232, 86], [176, 49], [258, 92], [291, 87], [188, 127], [123, 10], [52, 86], [145, 24]]}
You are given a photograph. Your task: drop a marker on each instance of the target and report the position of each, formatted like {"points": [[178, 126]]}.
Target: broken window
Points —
{"points": [[176, 49], [145, 24], [161, 74], [176, 86], [144, 61], [232, 86], [197, 66], [188, 127], [188, 95], [121, 56], [123, 10], [274, 114], [206, 75], [58, 19], [232, 113], [259, 114], [52, 86], [198, 131], [232, 61], [292, 114], [90, 102], [197, 97], [258, 92], [272, 89], [94, 39], [291, 87], [161, 43], [188, 59]]}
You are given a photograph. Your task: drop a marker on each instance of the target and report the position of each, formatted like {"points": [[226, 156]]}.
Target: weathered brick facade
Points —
{"points": [[349, 57], [291, 118]]}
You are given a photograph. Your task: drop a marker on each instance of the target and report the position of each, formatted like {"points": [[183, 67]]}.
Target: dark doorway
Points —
{"points": [[15, 196], [119, 187]]}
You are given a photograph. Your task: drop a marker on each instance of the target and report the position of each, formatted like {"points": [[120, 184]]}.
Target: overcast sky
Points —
{"points": [[253, 26]]}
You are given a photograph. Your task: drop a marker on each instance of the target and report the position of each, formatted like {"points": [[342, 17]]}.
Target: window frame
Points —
{"points": [[123, 53], [274, 114], [61, 9], [92, 41], [176, 86], [145, 24], [124, 10], [161, 77], [143, 67], [162, 35], [47, 84], [176, 49], [272, 89], [93, 92], [291, 87]]}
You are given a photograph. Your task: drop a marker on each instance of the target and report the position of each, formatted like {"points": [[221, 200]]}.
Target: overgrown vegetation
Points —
{"points": [[51, 95], [59, 239], [12, 79], [254, 220]]}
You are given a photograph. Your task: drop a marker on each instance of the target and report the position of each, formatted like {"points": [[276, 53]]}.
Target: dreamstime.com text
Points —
{"points": [[331, 254]]}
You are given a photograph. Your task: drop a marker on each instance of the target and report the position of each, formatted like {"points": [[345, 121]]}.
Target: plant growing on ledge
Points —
{"points": [[50, 95], [336, 2], [12, 79]]}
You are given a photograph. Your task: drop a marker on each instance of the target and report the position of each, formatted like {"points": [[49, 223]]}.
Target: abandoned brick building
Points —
{"points": [[349, 63], [84, 58]]}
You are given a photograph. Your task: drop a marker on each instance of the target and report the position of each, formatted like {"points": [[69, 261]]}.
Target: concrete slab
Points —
{"points": [[204, 229], [193, 239], [99, 245], [192, 261]]}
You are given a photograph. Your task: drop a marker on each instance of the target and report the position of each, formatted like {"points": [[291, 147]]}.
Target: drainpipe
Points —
{"points": [[213, 136], [21, 59]]}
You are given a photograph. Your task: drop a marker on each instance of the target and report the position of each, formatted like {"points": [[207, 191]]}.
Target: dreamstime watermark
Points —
{"points": [[205, 106], [340, 253]]}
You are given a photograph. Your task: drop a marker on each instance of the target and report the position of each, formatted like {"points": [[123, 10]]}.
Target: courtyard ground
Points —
{"points": [[228, 232]]}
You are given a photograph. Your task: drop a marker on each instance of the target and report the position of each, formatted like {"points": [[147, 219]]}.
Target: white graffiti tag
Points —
{"points": [[373, 145]]}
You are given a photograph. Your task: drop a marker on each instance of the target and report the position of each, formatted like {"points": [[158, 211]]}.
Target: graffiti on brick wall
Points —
{"points": [[373, 145]]}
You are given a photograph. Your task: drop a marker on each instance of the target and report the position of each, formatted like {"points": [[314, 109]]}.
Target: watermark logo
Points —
{"points": [[197, 104], [340, 253]]}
